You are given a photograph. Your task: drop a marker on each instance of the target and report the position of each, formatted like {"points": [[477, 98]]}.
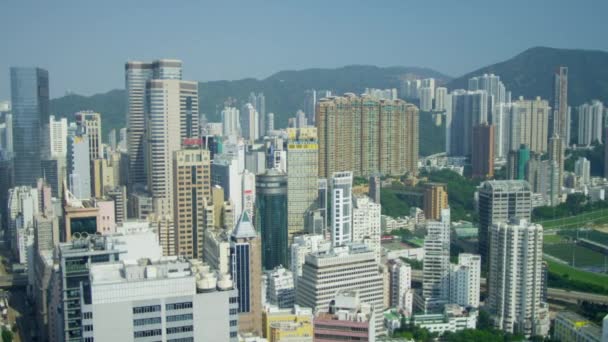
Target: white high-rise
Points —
{"points": [[303, 245], [529, 123], [230, 122], [341, 186], [249, 123], [436, 264], [582, 169], [426, 99], [516, 276], [590, 123], [171, 117], [465, 280], [440, 98], [137, 74], [401, 293], [367, 224], [59, 137], [89, 123]]}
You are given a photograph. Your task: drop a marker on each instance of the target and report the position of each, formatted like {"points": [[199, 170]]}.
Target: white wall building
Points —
{"points": [[401, 293], [280, 288], [440, 98], [367, 222], [582, 169], [249, 123], [436, 264], [426, 99], [304, 245], [58, 137], [590, 123], [465, 280], [231, 122], [341, 184]]}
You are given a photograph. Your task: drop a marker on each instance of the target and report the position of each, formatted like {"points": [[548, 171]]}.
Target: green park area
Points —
{"points": [[570, 278]]}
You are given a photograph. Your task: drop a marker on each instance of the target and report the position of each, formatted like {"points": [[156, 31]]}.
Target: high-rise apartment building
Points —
{"points": [[259, 103], [468, 109], [560, 103], [441, 94], [231, 122], [367, 136], [582, 169], [79, 166], [436, 265], [529, 124], [515, 277], [192, 193], [302, 173], [137, 74], [303, 245], [30, 114], [375, 188], [465, 278], [340, 190], [58, 137], [271, 217], [482, 156], [171, 118], [543, 176], [590, 123], [366, 224], [426, 99], [249, 123], [89, 123], [246, 269], [500, 201], [435, 200], [269, 122], [350, 267], [557, 154], [400, 285]]}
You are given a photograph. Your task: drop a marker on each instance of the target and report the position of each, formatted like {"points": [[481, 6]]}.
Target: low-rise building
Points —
{"points": [[572, 327], [347, 319], [287, 324], [453, 318]]}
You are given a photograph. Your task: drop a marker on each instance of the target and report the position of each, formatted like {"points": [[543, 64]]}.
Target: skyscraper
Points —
{"points": [[556, 154], [582, 169], [366, 223], [271, 217], [230, 121], [79, 166], [30, 114], [560, 103], [375, 188], [246, 269], [436, 266], [171, 115], [530, 124], [58, 137], [465, 280], [441, 94], [482, 156], [500, 201], [367, 136], [192, 193], [137, 74], [340, 190], [435, 200], [469, 109], [249, 123], [590, 123], [89, 123], [426, 99], [259, 103], [515, 277], [302, 173]]}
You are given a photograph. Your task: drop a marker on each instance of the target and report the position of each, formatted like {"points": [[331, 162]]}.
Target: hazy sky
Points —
{"points": [[84, 44]]}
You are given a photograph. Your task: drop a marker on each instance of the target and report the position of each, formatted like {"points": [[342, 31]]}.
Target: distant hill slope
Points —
{"points": [[530, 74], [284, 91]]}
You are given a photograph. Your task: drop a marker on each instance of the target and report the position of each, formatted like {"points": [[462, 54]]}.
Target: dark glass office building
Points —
{"points": [[30, 107], [271, 217]]}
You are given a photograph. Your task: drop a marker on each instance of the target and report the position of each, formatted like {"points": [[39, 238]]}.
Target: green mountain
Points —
{"points": [[284, 91], [530, 74]]}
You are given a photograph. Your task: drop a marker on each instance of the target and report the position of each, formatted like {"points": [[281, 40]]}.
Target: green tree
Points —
{"points": [[7, 335]]}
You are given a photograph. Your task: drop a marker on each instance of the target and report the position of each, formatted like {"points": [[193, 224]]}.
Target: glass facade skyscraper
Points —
{"points": [[271, 217], [30, 108]]}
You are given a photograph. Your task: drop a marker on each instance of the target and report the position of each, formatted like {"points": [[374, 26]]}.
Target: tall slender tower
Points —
{"points": [[271, 217], [436, 266], [556, 154], [89, 123], [30, 110], [341, 188], [435, 200], [560, 103], [482, 156], [137, 74], [246, 269]]}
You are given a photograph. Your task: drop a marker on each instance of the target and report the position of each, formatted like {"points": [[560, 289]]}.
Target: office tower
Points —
{"points": [[140, 205], [112, 139], [582, 169], [122, 143], [246, 269], [556, 154], [482, 156], [137, 74], [401, 293], [340, 190], [366, 224], [590, 123], [500, 201], [501, 119], [469, 109], [225, 173], [310, 104], [249, 123], [302, 173], [297, 319], [192, 193], [300, 120], [303, 245], [30, 115], [348, 318], [259, 103], [529, 124], [248, 196], [367, 136], [350, 267], [560, 103], [280, 288], [23, 206], [436, 265], [271, 217], [89, 123], [435, 200], [426, 99], [440, 98], [517, 162], [58, 137], [269, 123], [119, 196], [170, 102], [230, 121], [465, 280], [79, 166], [515, 272], [54, 173], [375, 188]]}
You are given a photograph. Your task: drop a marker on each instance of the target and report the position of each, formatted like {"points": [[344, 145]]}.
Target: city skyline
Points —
{"points": [[218, 53]]}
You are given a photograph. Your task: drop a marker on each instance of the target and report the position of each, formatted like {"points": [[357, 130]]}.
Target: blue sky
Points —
{"points": [[84, 44]]}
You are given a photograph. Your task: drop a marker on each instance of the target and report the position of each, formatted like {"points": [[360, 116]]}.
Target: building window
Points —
{"points": [[147, 333], [146, 309], [183, 339], [177, 330], [88, 315], [177, 318], [233, 334], [146, 321], [88, 327], [179, 306]]}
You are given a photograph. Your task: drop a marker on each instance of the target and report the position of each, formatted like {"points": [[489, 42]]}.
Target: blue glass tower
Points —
{"points": [[271, 217], [30, 107]]}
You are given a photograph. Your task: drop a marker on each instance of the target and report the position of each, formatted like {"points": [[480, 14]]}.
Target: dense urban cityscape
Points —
{"points": [[424, 208]]}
